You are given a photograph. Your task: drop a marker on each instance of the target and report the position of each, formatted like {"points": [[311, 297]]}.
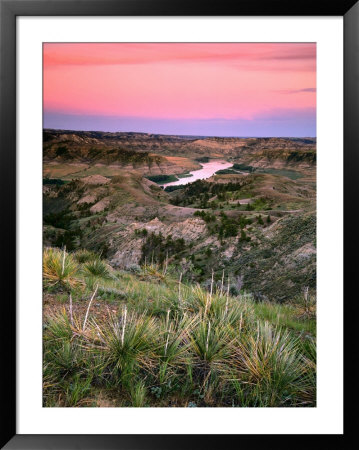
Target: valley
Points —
{"points": [[253, 220]]}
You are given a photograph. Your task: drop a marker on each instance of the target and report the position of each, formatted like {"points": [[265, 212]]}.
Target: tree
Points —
{"points": [[249, 207]]}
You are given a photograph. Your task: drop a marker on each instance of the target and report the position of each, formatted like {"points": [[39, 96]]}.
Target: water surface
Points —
{"points": [[207, 170]]}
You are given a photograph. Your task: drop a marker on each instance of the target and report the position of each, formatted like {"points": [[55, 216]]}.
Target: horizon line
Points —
{"points": [[173, 134]]}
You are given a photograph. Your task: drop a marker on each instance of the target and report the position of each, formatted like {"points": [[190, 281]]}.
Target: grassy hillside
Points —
{"points": [[143, 337], [257, 227]]}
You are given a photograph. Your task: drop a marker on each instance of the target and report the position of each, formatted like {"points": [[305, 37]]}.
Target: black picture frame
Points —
{"points": [[9, 10]]}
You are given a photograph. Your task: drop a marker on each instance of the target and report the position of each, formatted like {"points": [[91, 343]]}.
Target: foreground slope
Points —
{"points": [[144, 338]]}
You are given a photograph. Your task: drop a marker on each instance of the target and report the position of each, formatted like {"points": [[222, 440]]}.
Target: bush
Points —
{"points": [[134, 268], [270, 361], [233, 291], [83, 256], [97, 268], [60, 268]]}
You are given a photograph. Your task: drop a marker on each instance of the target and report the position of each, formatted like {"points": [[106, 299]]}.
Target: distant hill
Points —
{"points": [[107, 148]]}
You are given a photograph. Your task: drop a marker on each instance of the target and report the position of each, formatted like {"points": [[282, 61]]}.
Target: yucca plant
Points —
{"points": [[83, 256], [60, 268], [211, 343], [126, 344], [309, 354], [154, 271], [269, 360], [309, 349], [173, 345], [198, 300], [58, 328], [65, 359], [97, 268]]}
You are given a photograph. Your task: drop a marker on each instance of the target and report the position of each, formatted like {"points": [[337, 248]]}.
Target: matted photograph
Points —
{"points": [[179, 225]]}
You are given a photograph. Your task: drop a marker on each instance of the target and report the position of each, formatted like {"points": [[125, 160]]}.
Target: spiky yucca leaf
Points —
{"points": [[174, 338], [97, 268], [57, 327], [271, 362], [212, 343], [60, 267], [83, 256], [126, 344]]}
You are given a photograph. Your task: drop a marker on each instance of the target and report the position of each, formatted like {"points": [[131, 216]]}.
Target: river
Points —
{"points": [[207, 170]]}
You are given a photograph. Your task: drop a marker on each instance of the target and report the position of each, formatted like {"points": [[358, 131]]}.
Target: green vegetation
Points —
{"points": [[226, 226], [299, 156], [206, 216], [225, 172], [55, 181], [97, 268], [279, 268], [59, 269], [162, 179], [84, 256], [69, 234], [292, 174], [102, 153], [174, 188], [203, 159], [198, 193], [243, 167], [149, 339], [157, 248]]}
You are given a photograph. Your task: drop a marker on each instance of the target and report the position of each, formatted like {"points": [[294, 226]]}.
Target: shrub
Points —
{"points": [[134, 268], [269, 360], [97, 268], [210, 343], [83, 256], [260, 220], [249, 207], [125, 345], [233, 290], [60, 268]]}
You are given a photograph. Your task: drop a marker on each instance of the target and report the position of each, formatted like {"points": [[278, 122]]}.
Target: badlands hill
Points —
{"points": [[166, 154], [258, 228]]}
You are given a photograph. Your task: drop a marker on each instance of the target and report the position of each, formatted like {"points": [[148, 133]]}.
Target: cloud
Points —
{"points": [[297, 91], [147, 53], [286, 114]]}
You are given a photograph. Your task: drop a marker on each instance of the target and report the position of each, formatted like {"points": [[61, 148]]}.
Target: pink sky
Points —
{"points": [[180, 82]]}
